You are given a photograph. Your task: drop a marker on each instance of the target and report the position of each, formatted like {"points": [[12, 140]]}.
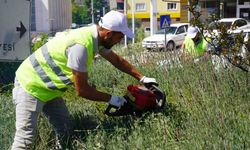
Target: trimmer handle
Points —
{"points": [[112, 110], [126, 109], [160, 95], [150, 85], [108, 110]]}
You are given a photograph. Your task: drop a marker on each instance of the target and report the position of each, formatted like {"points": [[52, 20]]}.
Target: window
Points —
{"points": [[181, 30], [140, 7], [243, 2], [120, 6], [171, 6], [147, 29], [239, 23], [186, 27], [170, 30], [33, 16]]}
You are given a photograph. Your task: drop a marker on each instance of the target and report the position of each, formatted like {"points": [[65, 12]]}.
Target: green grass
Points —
{"points": [[206, 110]]}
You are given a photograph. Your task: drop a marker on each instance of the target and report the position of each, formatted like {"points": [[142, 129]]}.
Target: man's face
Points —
{"points": [[112, 38], [197, 37]]}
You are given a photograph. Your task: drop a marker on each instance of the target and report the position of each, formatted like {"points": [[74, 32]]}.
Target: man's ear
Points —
{"points": [[109, 34]]}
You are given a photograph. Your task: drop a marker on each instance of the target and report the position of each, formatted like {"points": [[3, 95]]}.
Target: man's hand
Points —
{"points": [[146, 80], [117, 101]]}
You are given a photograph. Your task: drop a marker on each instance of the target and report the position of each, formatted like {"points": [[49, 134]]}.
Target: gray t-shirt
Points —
{"points": [[78, 56]]}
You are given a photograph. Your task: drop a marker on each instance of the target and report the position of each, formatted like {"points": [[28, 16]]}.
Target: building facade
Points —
{"points": [[236, 8], [79, 2], [142, 10], [116, 5], [50, 15], [222, 8]]}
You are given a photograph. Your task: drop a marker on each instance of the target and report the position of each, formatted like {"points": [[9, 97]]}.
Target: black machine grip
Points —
{"points": [[108, 109], [160, 95], [150, 85], [126, 109]]}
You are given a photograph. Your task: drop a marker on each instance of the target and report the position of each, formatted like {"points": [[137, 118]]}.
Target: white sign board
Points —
{"points": [[14, 30]]}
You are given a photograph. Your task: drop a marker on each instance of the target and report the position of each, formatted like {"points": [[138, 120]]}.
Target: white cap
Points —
{"points": [[192, 31], [116, 21]]}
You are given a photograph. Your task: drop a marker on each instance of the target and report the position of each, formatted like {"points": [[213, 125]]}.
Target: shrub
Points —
{"points": [[43, 39]]}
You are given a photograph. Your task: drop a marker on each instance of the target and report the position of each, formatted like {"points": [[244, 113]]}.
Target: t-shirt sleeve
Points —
{"points": [[77, 58]]}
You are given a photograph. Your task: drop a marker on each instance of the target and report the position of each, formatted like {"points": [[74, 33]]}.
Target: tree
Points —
{"points": [[224, 44], [81, 14]]}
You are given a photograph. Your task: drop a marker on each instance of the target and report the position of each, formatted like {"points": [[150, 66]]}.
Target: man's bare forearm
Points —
{"points": [[123, 65]]}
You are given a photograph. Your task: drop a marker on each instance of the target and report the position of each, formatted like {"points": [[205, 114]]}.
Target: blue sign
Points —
{"points": [[165, 21]]}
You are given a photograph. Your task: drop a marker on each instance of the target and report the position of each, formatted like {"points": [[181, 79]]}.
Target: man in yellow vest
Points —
{"points": [[67, 59], [194, 46]]}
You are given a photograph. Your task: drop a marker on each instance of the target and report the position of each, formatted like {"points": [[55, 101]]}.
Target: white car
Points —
{"points": [[245, 27], [229, 23], [233, 23], [175, 36], [244, 50]]}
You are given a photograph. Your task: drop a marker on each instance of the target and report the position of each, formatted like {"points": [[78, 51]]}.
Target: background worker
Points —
{"points": [[67, 59], [194, 46]]}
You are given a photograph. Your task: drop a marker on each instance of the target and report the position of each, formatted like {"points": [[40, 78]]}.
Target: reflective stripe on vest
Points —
{"points": [[54, 67], [45, 74], [42, 74]]}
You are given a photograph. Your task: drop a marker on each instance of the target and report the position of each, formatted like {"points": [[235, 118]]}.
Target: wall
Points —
{"points": [[184, 11], [60, 14], [161, 9], [112, 4], [42, 15], [53, 15]]}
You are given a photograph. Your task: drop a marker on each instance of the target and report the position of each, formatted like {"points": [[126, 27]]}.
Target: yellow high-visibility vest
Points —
{"points": [[195, 50], [45, 74]]}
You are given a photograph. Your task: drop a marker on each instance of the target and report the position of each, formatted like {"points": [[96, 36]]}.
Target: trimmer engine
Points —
{"points": [[139, 99]]}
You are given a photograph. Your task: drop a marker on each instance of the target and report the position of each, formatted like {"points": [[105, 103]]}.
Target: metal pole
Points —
{"points": [[189, 13], [165, 42], [133, 20], [153, 17], [92, 11], [237, 9], [219, 7], [103, 11], [125, 13]]}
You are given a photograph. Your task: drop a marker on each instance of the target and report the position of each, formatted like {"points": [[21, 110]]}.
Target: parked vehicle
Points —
{"points": [[229, 23], [243, 53], [244, 27], [233, 23], [245, 49], [175, 36]]}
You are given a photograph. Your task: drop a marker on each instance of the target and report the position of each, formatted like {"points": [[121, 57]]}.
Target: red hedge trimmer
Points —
{"points": [[139, 99]]}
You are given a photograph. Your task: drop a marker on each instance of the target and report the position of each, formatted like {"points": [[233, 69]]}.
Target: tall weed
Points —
{"points": [[206, 109]]}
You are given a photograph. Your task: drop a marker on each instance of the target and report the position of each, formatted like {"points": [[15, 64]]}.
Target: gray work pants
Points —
{"points": [[28, 109]]}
